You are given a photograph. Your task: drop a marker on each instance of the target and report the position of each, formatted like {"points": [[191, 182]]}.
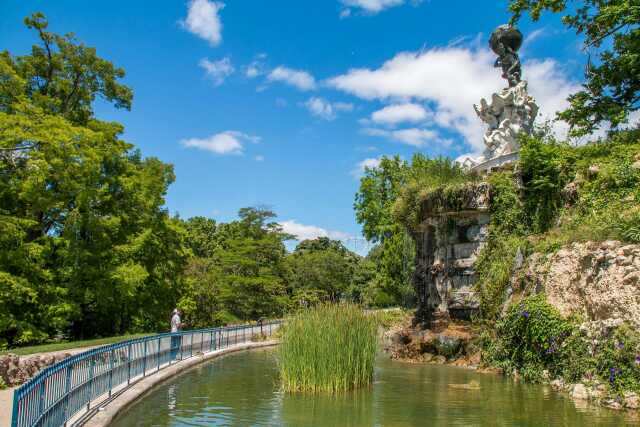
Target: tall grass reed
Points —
{"points": [[329, 348]]}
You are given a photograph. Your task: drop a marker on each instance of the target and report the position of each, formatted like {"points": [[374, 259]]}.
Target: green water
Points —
{"points": [[242, 390]]}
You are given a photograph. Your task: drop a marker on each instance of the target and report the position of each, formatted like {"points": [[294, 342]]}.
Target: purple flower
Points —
{"points": [[619, 345], [613, 372], [525, 314], [638, 359]]}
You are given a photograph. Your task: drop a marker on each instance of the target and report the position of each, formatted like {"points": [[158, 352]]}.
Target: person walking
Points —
{"points": [[176, 338]]}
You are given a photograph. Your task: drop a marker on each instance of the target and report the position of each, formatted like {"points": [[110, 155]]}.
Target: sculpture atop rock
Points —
{"points": [[511, 111]]}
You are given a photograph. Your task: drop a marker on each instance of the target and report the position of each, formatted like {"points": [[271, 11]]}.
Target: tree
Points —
{"points": [[64, 77], [87, 247], [379, 188], [327, 270], [612, 87], [237, 271]]}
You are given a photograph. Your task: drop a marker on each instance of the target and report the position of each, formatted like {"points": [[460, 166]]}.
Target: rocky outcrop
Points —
{"points": [[15, 370], [455, 344], [598, 281]]}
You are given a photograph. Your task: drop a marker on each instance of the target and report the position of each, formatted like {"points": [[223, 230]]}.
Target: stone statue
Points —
{"points": [[511, 111]]}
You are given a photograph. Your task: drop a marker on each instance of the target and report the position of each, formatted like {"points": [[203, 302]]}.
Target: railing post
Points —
{"points": [[144, 360], [211, 343], [129, 365], [191, 345], [66, 393], [180, 344], [201, 342], [91, 372], [111, 358], [159, 339], [42, 397], [14, 414]]}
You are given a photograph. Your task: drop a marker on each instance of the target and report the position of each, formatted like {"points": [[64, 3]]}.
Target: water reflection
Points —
{"points": [[242, 390]]}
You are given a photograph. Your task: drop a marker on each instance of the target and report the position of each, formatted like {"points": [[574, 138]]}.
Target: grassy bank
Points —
{"points": [[329, 348], [68, 345]]}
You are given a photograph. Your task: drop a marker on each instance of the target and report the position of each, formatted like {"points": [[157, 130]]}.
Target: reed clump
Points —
{"points": [[329, 348]]}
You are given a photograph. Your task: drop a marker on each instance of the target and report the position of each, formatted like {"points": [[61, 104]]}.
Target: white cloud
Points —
{"points": [[451, 80], [415, 137], [398, 113], [228, 142], [327, 110], [297, 78], [363, 165], [203, 20], [218, 71], [252, 71], [369, 6], [259, 158], [304, 232], [256, 67]]}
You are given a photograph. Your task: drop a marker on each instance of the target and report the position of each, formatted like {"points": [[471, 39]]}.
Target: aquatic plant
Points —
{"points": [[328, 348]]}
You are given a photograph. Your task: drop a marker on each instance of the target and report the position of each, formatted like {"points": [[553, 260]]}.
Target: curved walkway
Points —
{"points": [[6, 396], [104, 415]]}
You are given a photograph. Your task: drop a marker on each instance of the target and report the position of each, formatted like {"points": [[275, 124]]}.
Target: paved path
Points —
{"points": [[5, 407], [6, 396]]}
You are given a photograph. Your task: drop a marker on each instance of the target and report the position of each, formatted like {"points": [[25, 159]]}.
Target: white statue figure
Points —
{"points": [[512, 110]]}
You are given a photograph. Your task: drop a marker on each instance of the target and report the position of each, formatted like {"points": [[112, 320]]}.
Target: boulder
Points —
{"points": [[579, 392], [631, 400]]}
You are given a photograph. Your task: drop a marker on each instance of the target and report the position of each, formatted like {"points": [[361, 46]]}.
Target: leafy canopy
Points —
{"points": [[612, 32]]}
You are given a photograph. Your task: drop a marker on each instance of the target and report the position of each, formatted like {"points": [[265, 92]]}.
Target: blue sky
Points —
{"points": [[281, 103]]}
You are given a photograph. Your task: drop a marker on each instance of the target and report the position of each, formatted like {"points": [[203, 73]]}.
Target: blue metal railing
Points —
{"points": [[87, 380]]}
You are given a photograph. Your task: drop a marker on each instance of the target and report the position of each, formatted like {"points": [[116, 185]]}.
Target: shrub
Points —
{"points": [[329, 348], [530, 338], [534, 337]]}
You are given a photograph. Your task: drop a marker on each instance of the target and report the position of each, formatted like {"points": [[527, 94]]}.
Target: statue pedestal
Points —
{"points": [[496, 162]]}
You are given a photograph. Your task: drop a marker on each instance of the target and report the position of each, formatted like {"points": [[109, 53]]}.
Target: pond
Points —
{"points": [[242, 390]]}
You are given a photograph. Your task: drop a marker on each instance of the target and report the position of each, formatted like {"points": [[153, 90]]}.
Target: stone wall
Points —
{"points": [[448, 240], [15, 370]]}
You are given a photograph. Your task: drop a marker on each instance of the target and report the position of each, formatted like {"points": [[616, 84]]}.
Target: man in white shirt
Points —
{"points": [[175, 321], [176, 340]]}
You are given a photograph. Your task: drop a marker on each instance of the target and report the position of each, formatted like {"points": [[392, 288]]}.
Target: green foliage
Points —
{"points": [[388, 203], [86, 248], [496, 261], [392, 317], [546, 167], [392, 284], [327, 270], [238, 271], [605, 203], [441, 182], [379, 189], [612, 87], [329, 348], [529, 337], [67, 345], [617, 360], [533, 337], [495, 267]]}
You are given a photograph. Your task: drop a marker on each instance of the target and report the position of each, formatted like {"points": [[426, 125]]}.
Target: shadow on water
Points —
{"points": [[242, 389]]}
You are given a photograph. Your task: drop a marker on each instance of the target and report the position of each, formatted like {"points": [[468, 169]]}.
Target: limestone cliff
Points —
{"points": [[597, 281]]}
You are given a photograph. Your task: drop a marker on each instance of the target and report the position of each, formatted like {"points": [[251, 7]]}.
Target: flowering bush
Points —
{"points": [[533, 337], [530, 338]]}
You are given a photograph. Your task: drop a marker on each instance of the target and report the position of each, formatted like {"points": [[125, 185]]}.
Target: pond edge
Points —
{"points": [[103, 416]]}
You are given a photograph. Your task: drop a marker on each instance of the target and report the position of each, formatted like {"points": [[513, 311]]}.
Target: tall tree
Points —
{"points": [[611, 30], [87, 246]]}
